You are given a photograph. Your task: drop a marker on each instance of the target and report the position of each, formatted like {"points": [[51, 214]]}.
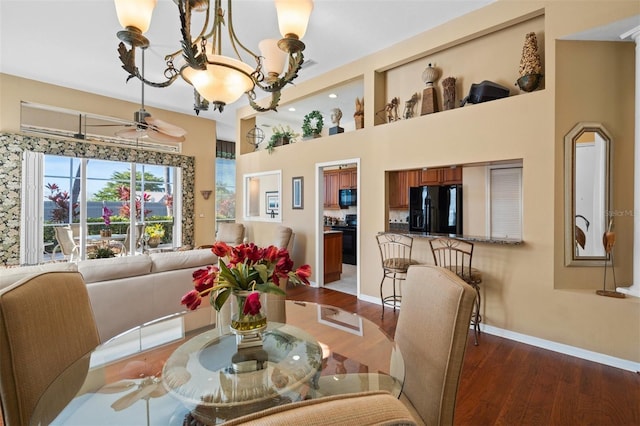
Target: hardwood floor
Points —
{"points": [[510, 383]]}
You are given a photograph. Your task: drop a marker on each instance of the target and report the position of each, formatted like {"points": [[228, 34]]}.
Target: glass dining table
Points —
{"points": [[187, 369]]}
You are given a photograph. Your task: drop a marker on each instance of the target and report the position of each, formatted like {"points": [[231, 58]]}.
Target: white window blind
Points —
{"points": [[505, 192]]}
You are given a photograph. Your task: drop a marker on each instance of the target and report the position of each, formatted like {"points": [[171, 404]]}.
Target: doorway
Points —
{"points": [[331, 216]]}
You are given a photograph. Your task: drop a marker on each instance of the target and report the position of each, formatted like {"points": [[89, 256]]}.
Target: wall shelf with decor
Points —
{"points": [[494, 56]]}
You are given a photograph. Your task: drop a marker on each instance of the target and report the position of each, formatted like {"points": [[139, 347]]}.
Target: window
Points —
{"points": [[505, 192], [97, 195]]}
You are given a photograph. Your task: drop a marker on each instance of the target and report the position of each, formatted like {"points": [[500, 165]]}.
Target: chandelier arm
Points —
{"points": [[275, 99], [128, 59], [234, 39], [189, 48], [295, 63]]}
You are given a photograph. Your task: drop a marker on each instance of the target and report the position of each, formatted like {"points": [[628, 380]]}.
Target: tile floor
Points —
{"points": [[347, 282]]}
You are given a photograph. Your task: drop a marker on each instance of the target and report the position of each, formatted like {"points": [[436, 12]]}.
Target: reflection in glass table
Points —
{"points": [[186, 367]]}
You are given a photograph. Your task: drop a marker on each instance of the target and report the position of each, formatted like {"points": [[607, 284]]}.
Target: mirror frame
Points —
{"points": [[261, 197], [571, 259]]}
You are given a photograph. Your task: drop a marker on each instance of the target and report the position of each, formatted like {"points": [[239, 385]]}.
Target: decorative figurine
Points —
{"points": [[448, 93], [608, 241], [392, 110], [530, 66], [429, 96], [336, 115], [358, 116], [408, 106]]}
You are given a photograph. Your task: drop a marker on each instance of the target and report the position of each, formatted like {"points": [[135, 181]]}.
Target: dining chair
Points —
{"points": [[46, 324], [395, 254], [456, 255], [230, 233], [66, 243], [432, 333]]}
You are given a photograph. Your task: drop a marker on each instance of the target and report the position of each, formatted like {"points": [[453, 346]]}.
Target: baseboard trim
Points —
{"points": [[547, 344], [563, 349]]}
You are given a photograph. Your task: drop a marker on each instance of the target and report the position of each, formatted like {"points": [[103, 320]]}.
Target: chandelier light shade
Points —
{"points": [[274, 57], [293, 17], [218, 79], [135, 16], [223, 82]]}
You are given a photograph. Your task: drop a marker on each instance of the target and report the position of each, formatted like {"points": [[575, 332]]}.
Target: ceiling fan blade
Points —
{"points": [[164, 127], [162, 137], [132, 133]]}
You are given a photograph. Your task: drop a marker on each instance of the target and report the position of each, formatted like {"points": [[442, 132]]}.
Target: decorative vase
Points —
{"points": [[153, 242], [248, 318], [105, 232], [529, 83]]}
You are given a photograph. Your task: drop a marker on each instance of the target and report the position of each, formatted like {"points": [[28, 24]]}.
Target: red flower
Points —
{"points": [[192, 299], [304, 272], [221, 249], [203, 279], [252, 304], [271, 254]]}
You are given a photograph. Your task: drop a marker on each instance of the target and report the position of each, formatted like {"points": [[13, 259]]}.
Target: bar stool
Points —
{"points": [[456, 255], [395, 253]]}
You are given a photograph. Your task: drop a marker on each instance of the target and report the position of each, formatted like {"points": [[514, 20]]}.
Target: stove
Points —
{"points": [[349, 246]]}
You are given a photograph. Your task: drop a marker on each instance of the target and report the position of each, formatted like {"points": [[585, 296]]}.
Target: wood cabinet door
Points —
{"points": [[348, 179], [331, 186], [399, 184], [430, 176], [451, 175]]}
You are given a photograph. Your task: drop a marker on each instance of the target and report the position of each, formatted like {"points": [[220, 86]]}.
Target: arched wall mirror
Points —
{"points": [[262, 196], [587, 193]]}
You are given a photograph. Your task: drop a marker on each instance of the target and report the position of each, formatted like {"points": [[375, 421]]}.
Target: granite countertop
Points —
{"points": [[470, 238]]}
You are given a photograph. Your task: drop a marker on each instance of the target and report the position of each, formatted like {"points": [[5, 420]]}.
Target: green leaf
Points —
{"points": [[220, 299]]}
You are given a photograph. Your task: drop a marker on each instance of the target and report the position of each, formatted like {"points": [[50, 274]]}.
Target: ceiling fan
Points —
{"points": [[149, 127]]}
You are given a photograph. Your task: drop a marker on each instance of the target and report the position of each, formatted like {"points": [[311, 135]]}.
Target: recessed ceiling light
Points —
{"points": [[292, 109], [333, 96]]}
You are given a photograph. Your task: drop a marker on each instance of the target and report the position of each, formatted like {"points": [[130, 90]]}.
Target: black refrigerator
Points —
{"points": [[436, 209]]}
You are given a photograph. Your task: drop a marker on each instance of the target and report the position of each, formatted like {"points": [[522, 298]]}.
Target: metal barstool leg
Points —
{"points": [[381, 295], [395, 299], [476, 315]]}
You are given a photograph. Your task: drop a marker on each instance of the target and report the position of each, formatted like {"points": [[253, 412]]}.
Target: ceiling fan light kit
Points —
{"points": [[216, 78]]}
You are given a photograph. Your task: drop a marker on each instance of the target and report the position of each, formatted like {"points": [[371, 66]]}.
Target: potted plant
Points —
{"points": [[106, 216], [281, 136], [312, 124], [155, 233], [101, 253]]}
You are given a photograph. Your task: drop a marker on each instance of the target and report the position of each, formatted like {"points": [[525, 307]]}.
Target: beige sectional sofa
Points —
{"points": [[130, 290]]}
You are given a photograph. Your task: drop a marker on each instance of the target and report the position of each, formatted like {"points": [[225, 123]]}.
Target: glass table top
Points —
{"points": [[187, 366]]}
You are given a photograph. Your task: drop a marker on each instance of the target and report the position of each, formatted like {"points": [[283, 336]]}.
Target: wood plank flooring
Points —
{"points": [[509, 383]]}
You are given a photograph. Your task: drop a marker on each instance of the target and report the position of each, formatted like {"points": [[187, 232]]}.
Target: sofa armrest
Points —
{"points": [[364, 408]]}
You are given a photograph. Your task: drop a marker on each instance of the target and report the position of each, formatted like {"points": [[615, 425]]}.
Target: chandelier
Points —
{"points": [[218, 79]]}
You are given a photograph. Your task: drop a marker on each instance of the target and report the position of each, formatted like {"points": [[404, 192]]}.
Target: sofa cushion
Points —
{"points": [[9, 276], [95, 270], [182, 259]]}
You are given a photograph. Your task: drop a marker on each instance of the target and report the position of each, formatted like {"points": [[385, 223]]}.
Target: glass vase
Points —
{"points": [[248, 312]]}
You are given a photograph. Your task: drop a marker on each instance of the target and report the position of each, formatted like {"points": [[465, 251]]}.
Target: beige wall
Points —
{"points": [[201, 133], [526, 288]]}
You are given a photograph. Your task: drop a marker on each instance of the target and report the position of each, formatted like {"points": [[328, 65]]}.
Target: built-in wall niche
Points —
{"points": [[494, 56], [292, 114], [263, 196]]}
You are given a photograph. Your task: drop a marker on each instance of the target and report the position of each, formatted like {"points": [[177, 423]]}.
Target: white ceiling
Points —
{"points": [[72, 43]]}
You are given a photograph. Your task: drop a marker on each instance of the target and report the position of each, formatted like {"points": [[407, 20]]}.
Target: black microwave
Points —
{"points": [[347, 198]]}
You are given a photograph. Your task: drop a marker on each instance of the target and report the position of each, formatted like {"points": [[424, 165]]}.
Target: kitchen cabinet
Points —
{"points": [[331, 186], [399, 184], [332, 256], [441, 176], [349, 178]]}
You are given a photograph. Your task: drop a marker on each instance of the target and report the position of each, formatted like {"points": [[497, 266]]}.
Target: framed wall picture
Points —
{"points": [[272, 203], [297, 199]]}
